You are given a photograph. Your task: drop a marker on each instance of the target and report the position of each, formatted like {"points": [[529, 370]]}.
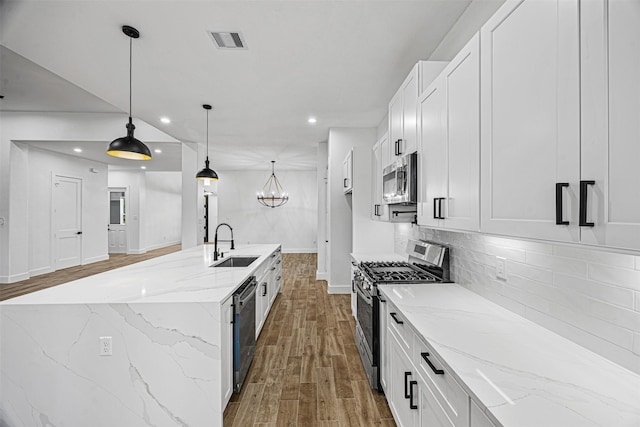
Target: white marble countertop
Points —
{"points": [[376, 256], [519, 373], [184, 276]]}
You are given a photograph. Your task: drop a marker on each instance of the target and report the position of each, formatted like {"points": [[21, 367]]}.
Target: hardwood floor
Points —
{"points": [[307, 370], [73, 273]]}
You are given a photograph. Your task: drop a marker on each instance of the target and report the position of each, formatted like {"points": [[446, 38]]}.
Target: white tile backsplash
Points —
{"points": [[587, 295]]}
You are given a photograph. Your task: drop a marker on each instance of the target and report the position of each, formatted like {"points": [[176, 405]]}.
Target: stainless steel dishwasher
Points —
{"points": [[244, 330]]}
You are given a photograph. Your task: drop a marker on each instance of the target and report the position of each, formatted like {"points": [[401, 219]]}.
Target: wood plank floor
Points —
{"points": [[73, 273], [307, 371]]}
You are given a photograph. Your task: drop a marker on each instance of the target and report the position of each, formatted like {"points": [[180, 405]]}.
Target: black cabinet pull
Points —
{"points": [[384, 301], [264, 293], [435, 370], [440, 200], [435, 208], [399, 146], [411, 404], [399, 322], [344, 185], [583, 204], [407, 374], [559, 216]]}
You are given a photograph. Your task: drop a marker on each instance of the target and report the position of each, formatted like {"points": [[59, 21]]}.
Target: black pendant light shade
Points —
{"points": [[128, 147], [207, 172]]}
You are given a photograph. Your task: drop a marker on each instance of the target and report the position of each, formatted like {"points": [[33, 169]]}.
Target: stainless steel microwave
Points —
{"points": [[400, 181]]}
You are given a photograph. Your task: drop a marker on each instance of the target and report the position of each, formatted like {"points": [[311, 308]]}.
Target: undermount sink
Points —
{"points": [[236, 261]]}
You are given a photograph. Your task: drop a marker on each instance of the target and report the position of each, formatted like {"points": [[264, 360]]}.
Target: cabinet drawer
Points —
{"points": [[397, 323], [453, 399]]}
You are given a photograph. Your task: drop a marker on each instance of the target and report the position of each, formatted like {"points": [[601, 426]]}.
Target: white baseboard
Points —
{"points": [[299, 251], [344, 289], [322, 275], [14, 278], [163, 245], [136, 251], [95, 259], [42, 270]]}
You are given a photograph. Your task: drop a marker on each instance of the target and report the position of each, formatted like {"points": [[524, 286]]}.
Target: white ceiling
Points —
{"points": [[339, 61]]}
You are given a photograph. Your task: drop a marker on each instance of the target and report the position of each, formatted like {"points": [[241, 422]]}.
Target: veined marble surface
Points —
{"points": [[376, 256], [519, 373], [184, 276], [165, 318]]}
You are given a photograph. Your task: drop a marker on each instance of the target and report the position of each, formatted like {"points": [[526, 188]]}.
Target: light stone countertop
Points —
{"points": [[184, 276], [519, 373]]}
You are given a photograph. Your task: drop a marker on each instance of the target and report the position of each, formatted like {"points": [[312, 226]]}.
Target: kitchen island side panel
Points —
{"points": [[165, 367]]}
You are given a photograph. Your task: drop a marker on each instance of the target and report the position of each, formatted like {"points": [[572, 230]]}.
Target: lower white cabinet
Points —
{"points": [[403, 379], [226, 344], [269, 278], [383, 363], [431, 412]]}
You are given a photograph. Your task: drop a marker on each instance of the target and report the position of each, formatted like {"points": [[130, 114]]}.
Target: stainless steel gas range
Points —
{"points": [[427, 263]]}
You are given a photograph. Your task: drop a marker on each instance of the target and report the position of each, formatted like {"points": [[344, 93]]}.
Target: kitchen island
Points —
{"points": [[168, 319]]}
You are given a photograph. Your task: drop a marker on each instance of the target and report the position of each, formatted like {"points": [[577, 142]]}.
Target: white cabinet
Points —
{"points": [[347, 173], [383, 363], [431, 412], [449, 144], [354, 295], [401, 393], [269, 278], [379, 211], [226, 356], [403, 130], [478, 418], [610, 110], [530, 128]]}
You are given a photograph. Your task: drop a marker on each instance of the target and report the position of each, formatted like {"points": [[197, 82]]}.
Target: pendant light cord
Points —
{"points": [[207, 134], [130, 71]]}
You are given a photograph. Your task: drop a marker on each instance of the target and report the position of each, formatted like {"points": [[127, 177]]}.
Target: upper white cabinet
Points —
{"points": [[610, 108], [347, 173], [403, 131], [530, 117], [449, 144], [379, 211], [560, 101]]}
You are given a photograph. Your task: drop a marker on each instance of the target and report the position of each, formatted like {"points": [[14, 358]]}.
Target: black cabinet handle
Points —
{"points": [[559, 216], [583, 204], [399, 142], [264, 292], [79, 232], [411, 384], [440, 200], [344, 185], [407, 374], [435, 208], [382, 300], [435, 370], [399, 322]]}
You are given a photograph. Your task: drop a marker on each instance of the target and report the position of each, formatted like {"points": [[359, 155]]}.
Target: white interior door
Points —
{"points": [[67, 221], [117, 221]]}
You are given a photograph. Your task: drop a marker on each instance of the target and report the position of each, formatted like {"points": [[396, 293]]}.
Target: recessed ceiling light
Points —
{"points": [[312, 120], [78, 150], [143, 167], [165, 120], [157, 150]]}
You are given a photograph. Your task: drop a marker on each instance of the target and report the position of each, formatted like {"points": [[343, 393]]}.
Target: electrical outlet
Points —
{"points": [[106, 346], [501, 270]]}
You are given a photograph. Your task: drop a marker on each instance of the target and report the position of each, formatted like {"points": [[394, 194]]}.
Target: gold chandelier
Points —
{"points": [[272, 194]]}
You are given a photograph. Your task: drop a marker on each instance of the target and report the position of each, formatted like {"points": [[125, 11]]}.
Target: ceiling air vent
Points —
{"points": [[228, 39]]}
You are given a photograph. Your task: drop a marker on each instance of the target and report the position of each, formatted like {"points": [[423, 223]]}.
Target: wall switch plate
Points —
{"points": [[106, 346], [501, 270]]}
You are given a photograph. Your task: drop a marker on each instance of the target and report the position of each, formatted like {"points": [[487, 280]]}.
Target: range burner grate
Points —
{"points": [[396, 272]]}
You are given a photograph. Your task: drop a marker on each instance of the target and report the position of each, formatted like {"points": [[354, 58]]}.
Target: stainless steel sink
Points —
{"points": [[236, 261]]}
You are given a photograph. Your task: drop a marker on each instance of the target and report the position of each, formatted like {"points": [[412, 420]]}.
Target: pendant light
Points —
{"points": [[272, 194], [207, 173], [129, 147]]}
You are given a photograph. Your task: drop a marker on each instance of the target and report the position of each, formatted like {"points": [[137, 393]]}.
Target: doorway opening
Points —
{"points": [[117, 228]]}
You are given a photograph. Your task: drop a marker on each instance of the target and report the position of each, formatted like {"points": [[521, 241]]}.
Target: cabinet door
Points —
{"points": [[395, 125], [431, 413], [379, 211], [610, 121], [432, 154], [384, 345], [401, 374], [347, 173], [462, 81], [385, 153], [226, 344], [409, 114], [530, 117]]}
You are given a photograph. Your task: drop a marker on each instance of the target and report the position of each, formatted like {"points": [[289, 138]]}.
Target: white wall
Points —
{"points": [[293, 225], [163, 210], [42, 166]]}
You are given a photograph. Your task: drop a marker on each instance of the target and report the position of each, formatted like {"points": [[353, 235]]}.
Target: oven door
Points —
{"points": [[365, 313]]}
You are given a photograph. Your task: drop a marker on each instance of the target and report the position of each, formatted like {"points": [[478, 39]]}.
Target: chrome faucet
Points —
{"points": [[215, 240]]}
